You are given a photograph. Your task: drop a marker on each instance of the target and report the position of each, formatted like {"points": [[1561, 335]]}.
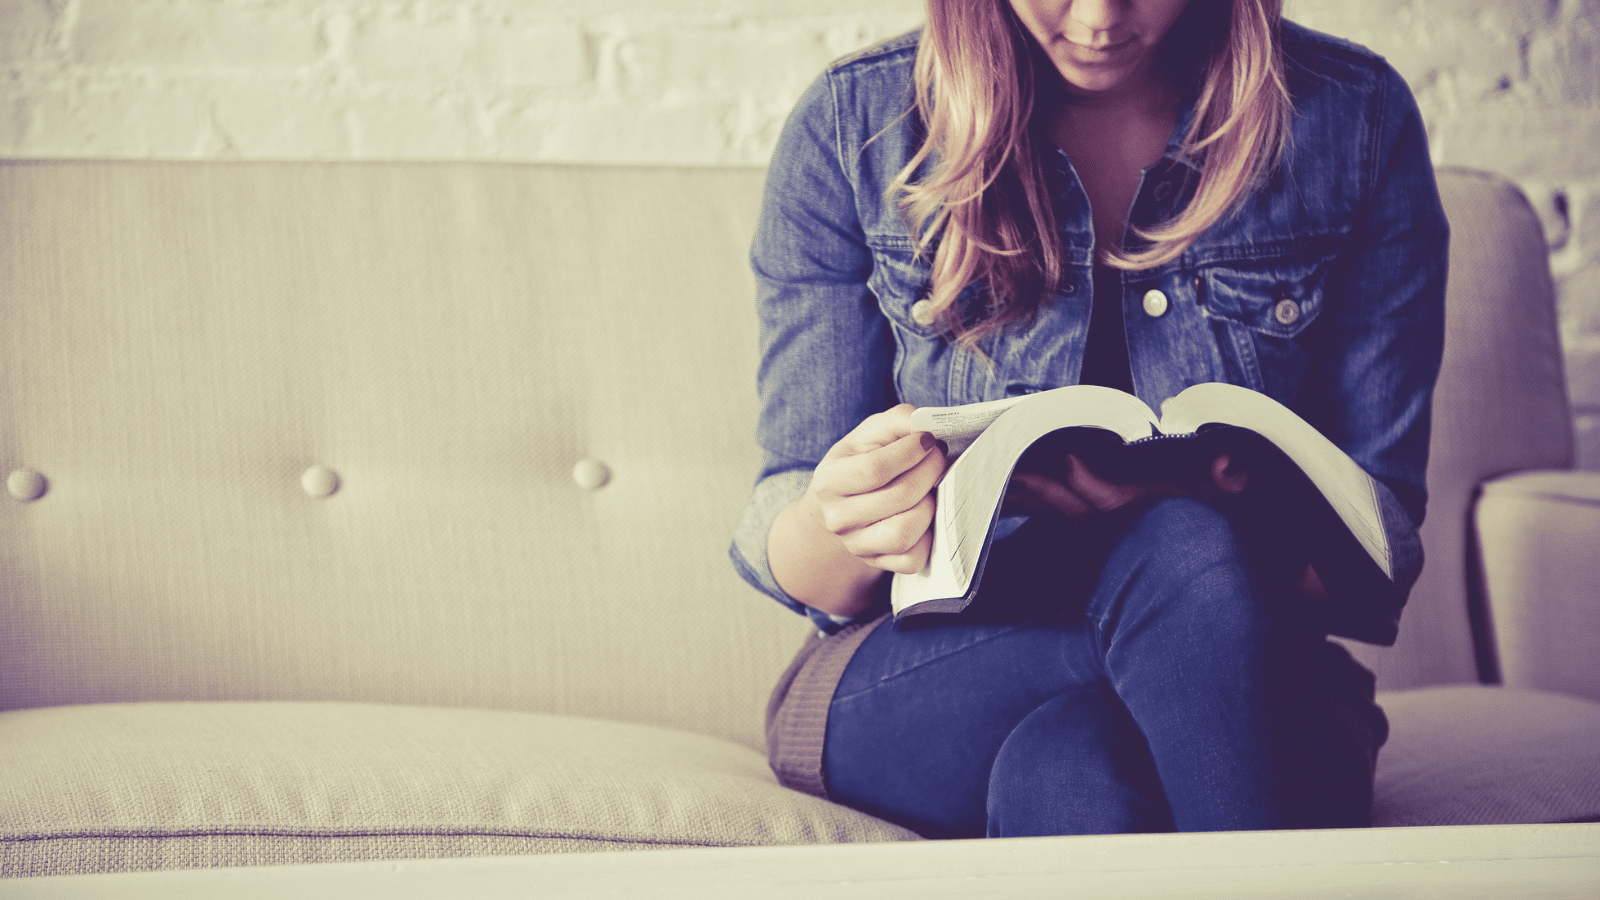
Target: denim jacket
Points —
{"points": [[1324, 289]]}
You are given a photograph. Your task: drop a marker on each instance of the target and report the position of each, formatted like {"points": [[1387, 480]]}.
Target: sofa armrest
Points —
{"points": [[1539, 545]]}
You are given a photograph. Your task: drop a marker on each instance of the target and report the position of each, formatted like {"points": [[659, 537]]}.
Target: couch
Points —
{"points": [[379, 510]]}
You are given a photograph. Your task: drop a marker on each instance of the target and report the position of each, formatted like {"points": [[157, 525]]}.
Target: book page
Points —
{"points": [[970, 493], [1348, 487], [959, 426]]}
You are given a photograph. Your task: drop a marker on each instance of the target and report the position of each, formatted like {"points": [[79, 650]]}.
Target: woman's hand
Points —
{"points": [[869, 510], [1084, 493], [874, 491]]}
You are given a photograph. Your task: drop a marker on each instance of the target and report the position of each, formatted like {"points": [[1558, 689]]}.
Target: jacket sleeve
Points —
{"points": [[1372, 382], [826, 349]]}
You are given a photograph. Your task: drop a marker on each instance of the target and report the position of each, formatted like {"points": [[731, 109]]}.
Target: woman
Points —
{"points": [[1145, 194]]}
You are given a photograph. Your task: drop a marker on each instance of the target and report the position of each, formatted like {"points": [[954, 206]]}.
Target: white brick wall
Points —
{"points": [[1507, 85]]}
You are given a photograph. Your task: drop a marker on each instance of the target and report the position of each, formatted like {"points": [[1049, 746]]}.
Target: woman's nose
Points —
{"points": [[1093, 22]]}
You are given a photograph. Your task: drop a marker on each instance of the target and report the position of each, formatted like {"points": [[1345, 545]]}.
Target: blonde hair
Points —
{"points": [[983, 204]]}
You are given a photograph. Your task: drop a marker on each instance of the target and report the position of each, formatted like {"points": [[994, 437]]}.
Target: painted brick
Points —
{"points": [[1588, 434], [403, 50], [18, 115], [1564, 64], [1583, 373], [139, 33], [539, 54], [1425, 43], [400, 129], [1577, 250], [272, 121], [619, 132], [754, 58], [1520, 141], [116, 123], [1579, 296], [728, 10], [441, 54], [1583, 201], [25, 27], [1551, 203]]}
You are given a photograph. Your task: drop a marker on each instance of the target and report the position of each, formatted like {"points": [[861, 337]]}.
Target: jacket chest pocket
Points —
{"points": [[928, 369], [900, 282], [1262, 312]]}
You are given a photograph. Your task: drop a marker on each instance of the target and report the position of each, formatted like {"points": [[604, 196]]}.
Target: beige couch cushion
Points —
{"points": [[120, 787], [1471, 755], [1537, 540]]}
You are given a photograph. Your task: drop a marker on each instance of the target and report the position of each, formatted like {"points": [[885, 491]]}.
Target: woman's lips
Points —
{"points": [[1084, 55]]}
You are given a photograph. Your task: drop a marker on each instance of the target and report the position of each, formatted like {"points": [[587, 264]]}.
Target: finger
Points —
{"points": [[906, 490], [910, 562], [877, 469], [1100, 494], [895, 535], [1227, 476], [1053, 494], [1020, 500], [875, 431]]}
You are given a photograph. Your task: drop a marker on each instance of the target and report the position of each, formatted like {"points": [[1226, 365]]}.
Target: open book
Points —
{"points": [[1314, 477]]}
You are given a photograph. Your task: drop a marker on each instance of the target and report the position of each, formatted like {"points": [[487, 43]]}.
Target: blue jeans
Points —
{"points": [[1142, 671]]}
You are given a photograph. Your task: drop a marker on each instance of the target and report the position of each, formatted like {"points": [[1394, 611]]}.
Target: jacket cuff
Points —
{"points": [[770, 497]]}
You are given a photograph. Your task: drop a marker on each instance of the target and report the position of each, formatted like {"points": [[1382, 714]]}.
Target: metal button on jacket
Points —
{"points": [[1287, 312], [922, 312], [1155, 304]]}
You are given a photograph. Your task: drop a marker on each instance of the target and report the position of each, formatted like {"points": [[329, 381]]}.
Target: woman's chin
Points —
{"points": [[1097, 79]]}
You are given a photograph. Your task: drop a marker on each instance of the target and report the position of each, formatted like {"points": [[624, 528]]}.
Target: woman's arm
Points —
{"points": [[1377, 350], [826, 353], [1370, 385]]}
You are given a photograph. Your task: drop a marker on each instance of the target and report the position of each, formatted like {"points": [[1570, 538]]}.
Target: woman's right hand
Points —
{"points": [[874, 490], [869, 510]]}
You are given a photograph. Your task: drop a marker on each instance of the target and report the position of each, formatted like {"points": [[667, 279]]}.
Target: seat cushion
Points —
{"points": [[138, 786], [1476, 755]]}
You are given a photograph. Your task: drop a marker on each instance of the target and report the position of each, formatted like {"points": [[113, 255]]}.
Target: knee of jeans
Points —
{"points": [[1180, 551], [1185, 531]]}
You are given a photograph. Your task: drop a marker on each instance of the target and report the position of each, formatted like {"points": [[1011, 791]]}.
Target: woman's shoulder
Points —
{"points": [[862, 99], [899, 52], [1316, 60]]}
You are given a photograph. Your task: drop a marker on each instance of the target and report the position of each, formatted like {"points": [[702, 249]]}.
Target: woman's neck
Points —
{"points": [[1112, 139]]}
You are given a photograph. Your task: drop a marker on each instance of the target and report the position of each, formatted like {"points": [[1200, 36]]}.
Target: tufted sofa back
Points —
{"points": [[311, 431]]}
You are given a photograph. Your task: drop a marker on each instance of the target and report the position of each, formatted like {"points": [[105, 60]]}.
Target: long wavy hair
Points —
{"points": [[982, 210]]}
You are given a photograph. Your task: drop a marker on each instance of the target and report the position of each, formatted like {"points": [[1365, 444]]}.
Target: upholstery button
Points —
{"points": [[590, 474], [1155, 304], [319, 481], [27, 485], [922, 312], [1287, 312]]}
